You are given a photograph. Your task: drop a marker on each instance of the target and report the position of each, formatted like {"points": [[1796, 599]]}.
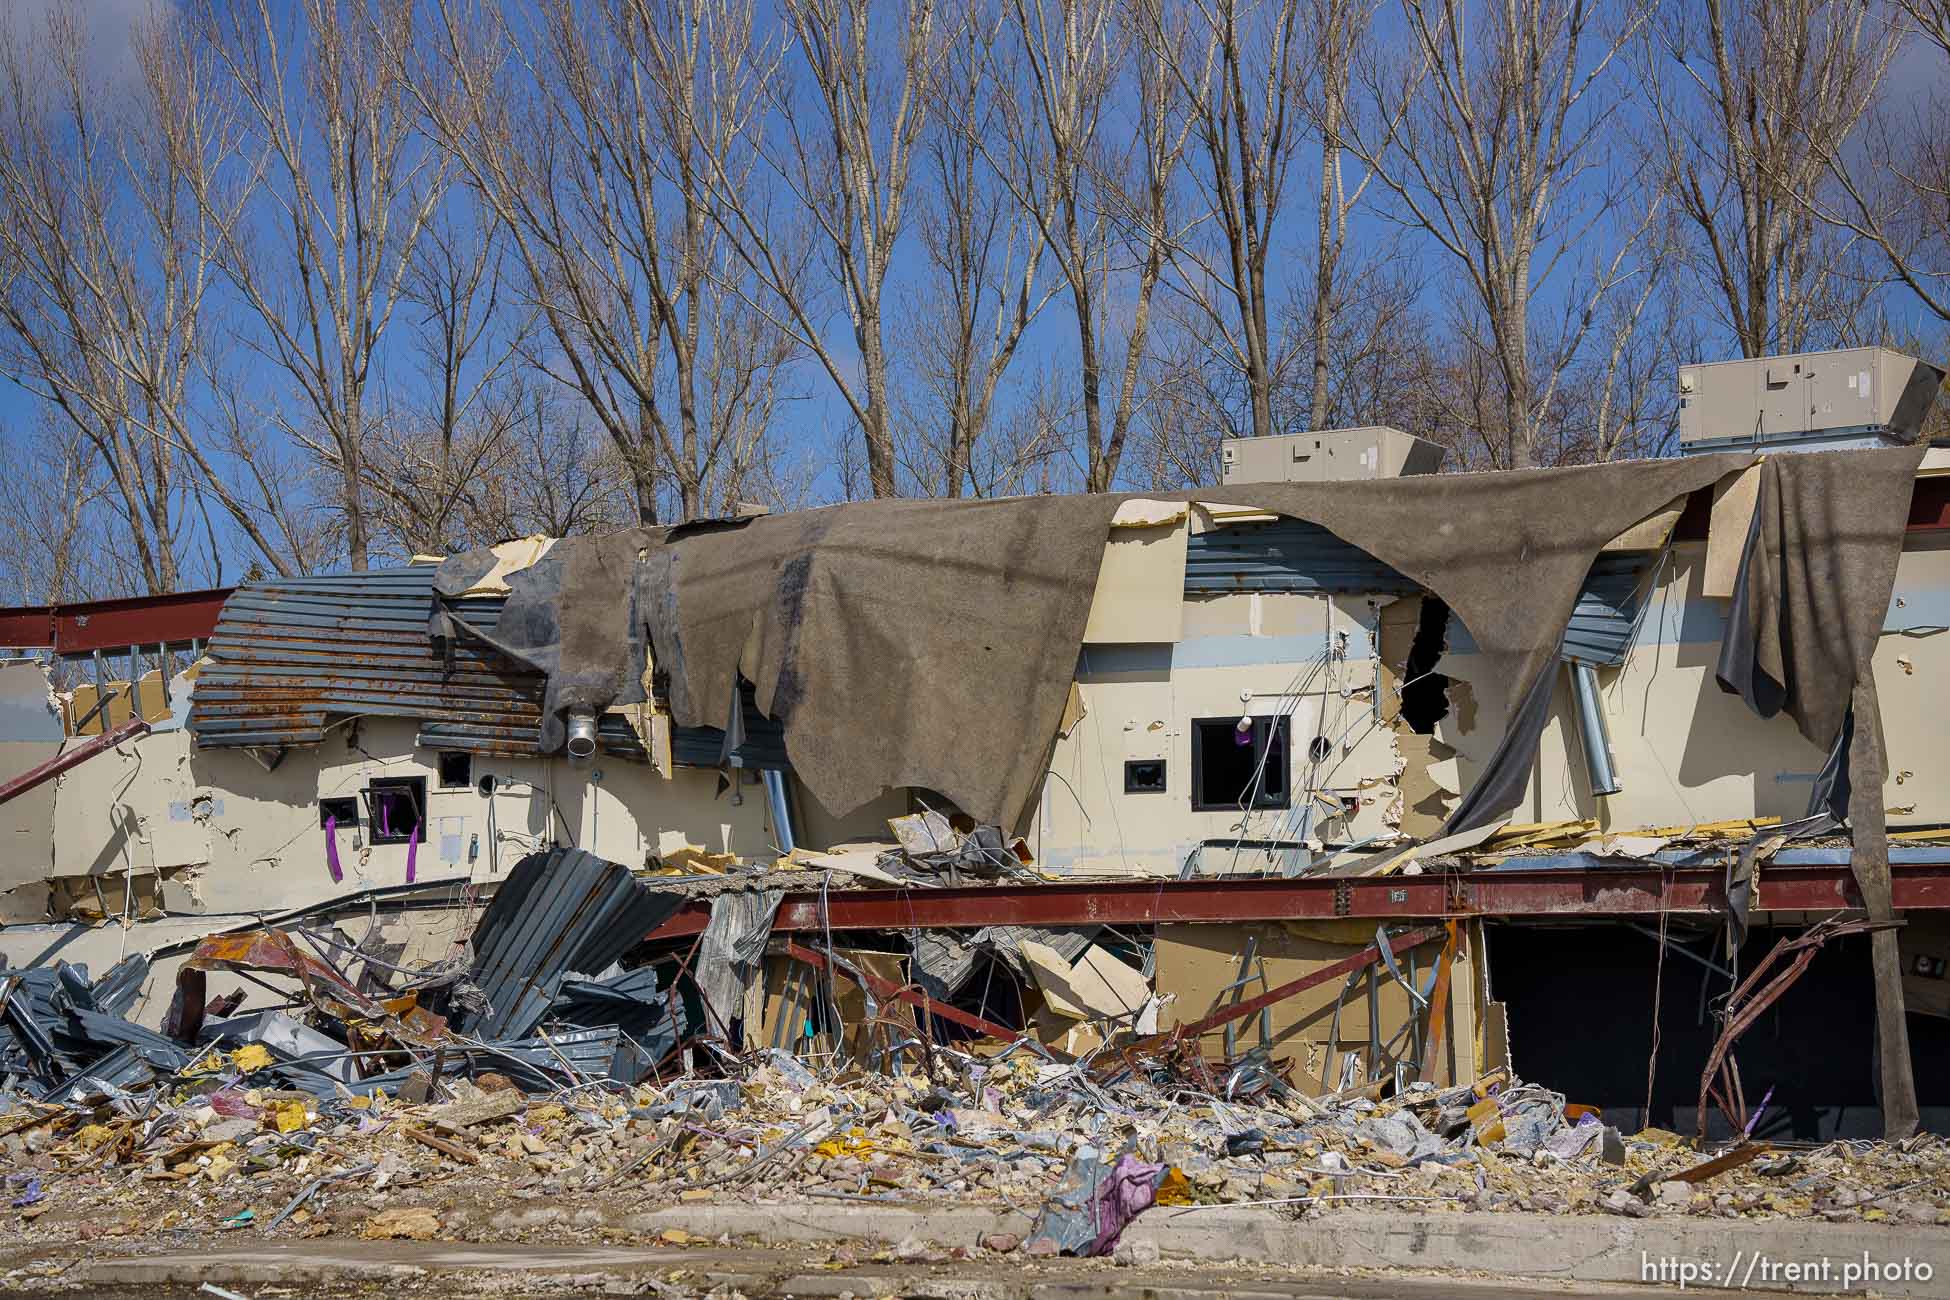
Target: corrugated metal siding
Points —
{"points": [[1607, 611], [560, 911], [1286, 555], [764, 746], [1292, 556], [290, 655]]}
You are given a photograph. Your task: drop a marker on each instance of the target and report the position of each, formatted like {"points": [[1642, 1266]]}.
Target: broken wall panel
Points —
{"points": [[1138, 596], [213, 830], [1196, 964]]}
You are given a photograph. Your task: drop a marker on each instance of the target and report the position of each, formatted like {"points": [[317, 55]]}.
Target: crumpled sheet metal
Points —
{"points": [[560, 911], [54, 1020], [729, 950], [276, 952], [1090, 1209]]}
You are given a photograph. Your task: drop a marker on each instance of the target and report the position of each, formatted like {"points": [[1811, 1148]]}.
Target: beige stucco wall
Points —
{"points": [[226, 835]]}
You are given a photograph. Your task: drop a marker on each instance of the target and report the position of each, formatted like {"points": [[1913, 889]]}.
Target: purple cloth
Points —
{"points": [[412, 850], [1130, 1190], [332, 849]]}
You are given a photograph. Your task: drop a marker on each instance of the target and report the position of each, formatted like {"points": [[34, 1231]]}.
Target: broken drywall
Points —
{"points": [[1198, 963], [1685, 750]]}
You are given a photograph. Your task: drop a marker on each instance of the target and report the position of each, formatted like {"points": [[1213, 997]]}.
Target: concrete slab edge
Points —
{"points": [[1781, 1255]]}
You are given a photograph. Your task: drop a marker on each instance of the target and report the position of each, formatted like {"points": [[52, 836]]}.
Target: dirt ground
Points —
{"points": [[445, 1271]]}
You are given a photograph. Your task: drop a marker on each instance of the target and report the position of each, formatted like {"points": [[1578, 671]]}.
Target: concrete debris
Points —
{"points": [[213, 1147]]}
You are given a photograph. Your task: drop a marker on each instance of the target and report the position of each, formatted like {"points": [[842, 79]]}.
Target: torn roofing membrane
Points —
{"points": [[933, 643]]}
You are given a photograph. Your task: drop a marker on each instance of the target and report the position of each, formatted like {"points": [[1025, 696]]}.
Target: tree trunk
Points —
{"points": [[355, 512], [642, 457], [1259, 350], [1098, 470], [1328, 256], [880, 440]]}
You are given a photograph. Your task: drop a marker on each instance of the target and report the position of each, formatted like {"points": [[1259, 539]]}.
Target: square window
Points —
{"points": [[1239, 767], [1144, 776], [342, 813], [395, 808], [456, 770]]}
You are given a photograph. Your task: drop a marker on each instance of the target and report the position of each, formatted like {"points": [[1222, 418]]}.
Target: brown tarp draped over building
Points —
{"points": [[1809, 602], [933, 643]]}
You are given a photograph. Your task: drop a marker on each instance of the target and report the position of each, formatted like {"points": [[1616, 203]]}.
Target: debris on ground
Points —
{"points": [[532, 1069], [226, 1149]]}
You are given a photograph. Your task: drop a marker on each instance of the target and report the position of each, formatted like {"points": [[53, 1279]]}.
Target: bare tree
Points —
{"points": [[1498, 161], [107, 260], [1338, 35], [1249, 123], [1894, 191], [601, 135], [1103, 207], [51, 547], [1370, 339], [450, 427], [534, 466], [1753, 100], [984, 254], [843, 147], [348, 187]]}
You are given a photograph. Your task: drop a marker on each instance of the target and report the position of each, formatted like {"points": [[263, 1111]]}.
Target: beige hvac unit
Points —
{"points": [[1329, 456], [1854, 397]]}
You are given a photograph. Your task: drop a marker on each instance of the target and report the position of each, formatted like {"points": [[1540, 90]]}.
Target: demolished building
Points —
{"points": [[1362, 777]]}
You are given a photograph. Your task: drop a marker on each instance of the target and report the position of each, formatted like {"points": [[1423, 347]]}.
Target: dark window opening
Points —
{"points": [[343, 813], [456, 770], [1425, 692], [395, 808], [1235, 766], [1318, 749], [1144, 776]]}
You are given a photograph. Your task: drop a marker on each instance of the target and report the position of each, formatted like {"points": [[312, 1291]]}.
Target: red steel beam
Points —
{"points": [[80, 754], [1644, 890], [113, 624]]}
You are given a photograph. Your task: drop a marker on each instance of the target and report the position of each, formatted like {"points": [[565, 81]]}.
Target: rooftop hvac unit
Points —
{"points": [[1855, 397], [1328, 456]]}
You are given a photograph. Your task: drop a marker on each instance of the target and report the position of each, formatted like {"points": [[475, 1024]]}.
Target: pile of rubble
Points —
{"points": [[532, 1066], [222, 1146]]}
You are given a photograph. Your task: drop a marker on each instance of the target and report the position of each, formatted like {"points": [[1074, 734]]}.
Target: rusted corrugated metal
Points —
{"points": [[290, 655]]}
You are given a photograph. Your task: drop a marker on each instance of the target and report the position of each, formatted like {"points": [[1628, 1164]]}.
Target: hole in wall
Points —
{"points": [[1425, 692], [456, 770], [342, 813]]}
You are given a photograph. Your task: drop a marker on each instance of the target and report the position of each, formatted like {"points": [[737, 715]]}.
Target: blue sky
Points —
{"points": [[814, 424]]}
